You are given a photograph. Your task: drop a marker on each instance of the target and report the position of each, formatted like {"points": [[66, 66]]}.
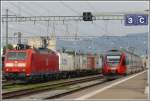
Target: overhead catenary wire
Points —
{"points": [[91, 6], [23, 10], [46, 9], [67, 6], [15, 5], [106, 21], [32, 9], [32, 14], [71, 8], [76, 28]]}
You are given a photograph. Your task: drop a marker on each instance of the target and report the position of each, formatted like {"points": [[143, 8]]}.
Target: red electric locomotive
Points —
{"points": [[29, 64], [120, 62]]}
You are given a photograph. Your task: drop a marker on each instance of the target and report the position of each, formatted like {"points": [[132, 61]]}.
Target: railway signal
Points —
{"points": [[87, 16]]}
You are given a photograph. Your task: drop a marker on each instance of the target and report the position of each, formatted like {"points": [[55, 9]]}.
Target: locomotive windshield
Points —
{"points": [[16, 55], [113, 60]]}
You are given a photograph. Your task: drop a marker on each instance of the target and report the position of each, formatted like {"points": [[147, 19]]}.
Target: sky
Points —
{"points": [[61, 8]]}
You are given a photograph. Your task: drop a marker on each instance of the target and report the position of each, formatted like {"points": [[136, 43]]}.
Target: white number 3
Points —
{"points": [[130, 20]]}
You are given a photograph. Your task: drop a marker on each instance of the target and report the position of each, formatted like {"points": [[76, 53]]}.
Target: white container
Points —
{"points": [[83, 62], [66, 62], [98, 62]]}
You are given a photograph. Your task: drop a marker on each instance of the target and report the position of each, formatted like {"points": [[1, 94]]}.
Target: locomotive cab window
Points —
{"points": [[16, 55]]}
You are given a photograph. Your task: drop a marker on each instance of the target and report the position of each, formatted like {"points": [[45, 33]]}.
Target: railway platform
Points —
{"points": [[133, 88], [130, 87]]}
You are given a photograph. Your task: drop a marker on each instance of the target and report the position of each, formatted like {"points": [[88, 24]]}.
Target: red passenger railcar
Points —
{"points": [[119, 62]]}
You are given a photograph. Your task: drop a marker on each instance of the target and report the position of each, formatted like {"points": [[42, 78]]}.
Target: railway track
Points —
{"points": [[7, 83], [82, 86], [49, 87]]}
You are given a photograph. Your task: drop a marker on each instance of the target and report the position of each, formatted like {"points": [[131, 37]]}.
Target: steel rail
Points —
{"points": [[23, 92]]}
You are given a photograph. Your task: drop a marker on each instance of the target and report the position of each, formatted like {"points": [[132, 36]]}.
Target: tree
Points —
{"points": [[9, 46]]}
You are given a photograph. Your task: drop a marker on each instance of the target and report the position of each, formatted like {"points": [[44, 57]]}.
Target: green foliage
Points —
{"points": [[9, 46]]}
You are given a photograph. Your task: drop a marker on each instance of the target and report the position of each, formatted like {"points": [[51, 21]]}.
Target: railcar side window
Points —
{"points": [[16, 55], [127, 60]]}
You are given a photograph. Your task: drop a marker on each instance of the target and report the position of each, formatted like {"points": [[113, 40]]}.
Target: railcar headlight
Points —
{"points": [[21, 64], [9, 65]]}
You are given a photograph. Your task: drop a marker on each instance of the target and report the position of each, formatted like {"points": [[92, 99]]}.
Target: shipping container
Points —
{"points": [[83, 62], [66, 62], [90, 61], [98, 62]]}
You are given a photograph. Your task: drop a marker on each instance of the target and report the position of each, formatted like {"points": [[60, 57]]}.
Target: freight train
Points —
{"points": [[30, 64], [120, 62]]}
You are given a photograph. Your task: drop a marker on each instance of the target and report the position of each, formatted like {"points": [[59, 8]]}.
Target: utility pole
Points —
{"points": [[6, 28]]}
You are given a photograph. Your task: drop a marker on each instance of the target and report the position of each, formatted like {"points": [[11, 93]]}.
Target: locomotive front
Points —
{"points": [[114, 63], [16, 63]]}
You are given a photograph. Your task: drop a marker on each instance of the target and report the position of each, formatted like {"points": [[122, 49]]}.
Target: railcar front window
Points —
{"points": [[16, 56], [113, 60]]}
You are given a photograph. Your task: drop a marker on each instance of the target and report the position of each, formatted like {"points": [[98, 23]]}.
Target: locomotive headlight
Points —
{"points": [[9, 64], [21, 64], [23, 70]]}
